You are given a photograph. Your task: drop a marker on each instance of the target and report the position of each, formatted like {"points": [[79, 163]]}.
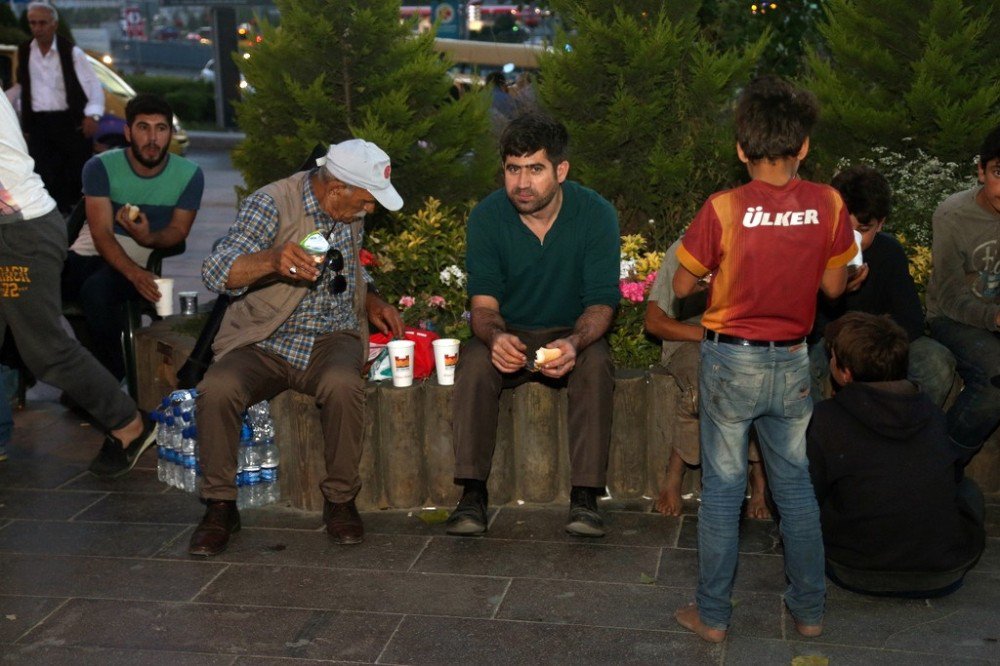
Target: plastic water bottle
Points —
{"points": [[251, 473], [182, 401], [246, 440], [190, 474], [162, 460], [269, 473]]}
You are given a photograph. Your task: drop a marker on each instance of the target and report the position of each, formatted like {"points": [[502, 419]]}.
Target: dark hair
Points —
{"points": [[990, 150], [873, 347], [532, 131], [774, 118], [497, 79], [865, 191], [148, 104]]}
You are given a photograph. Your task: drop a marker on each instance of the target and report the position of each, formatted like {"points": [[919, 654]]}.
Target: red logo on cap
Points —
{"points": [[388, 169]]}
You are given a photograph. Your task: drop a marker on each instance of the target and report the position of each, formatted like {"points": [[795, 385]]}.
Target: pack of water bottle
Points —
{"points": [[257, 463], [177, 441], [177, 447]]}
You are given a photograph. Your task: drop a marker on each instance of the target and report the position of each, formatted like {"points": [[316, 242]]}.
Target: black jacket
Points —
{"points": [[886, 474]]}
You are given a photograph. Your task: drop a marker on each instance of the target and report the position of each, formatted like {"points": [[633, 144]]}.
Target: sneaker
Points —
{"points": [[584, 520], [469, 517], [114, 460]]}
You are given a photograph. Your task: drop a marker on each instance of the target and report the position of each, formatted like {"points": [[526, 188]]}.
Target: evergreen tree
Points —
{"points": [[647, 102], [907, 75], [337, 70]]}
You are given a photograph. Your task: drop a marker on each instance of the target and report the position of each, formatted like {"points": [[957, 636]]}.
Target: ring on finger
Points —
{"points": [[292, 270]]}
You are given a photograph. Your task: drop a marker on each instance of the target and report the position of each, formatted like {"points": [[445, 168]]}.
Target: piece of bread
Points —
{"points": [[132, 212], [544, 355]]}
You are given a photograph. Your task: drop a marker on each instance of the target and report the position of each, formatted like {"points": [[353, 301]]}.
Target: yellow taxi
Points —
{"points": [[117, 92]]}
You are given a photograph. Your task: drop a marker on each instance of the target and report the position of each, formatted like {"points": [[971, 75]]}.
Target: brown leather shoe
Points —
{"points": [[343, 522], [211, 537]]}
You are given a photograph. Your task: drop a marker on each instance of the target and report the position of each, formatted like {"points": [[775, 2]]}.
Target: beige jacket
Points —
{"points": [[257, 314]]}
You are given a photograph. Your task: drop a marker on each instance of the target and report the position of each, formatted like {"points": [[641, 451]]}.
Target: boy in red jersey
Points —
{"points": [[770, 245]]}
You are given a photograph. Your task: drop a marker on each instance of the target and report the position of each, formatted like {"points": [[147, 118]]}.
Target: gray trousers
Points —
{"points": [[31, 262], [476, 406], [247, 375]]}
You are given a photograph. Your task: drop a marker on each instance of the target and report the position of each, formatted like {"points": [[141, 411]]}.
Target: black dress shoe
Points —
{"points": [[584, 520], [469, 517], [211, 537], [343, 522]]}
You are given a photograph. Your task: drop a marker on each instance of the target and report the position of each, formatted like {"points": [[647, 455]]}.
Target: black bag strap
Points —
{"points": [[201, 356]]}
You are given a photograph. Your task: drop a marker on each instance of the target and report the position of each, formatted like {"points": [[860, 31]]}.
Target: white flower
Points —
{"points": [[450, 273], [626, 269]]}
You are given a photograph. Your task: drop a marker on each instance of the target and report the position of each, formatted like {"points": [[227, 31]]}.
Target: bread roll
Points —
{"points": [[132, 212], [544, 355]]}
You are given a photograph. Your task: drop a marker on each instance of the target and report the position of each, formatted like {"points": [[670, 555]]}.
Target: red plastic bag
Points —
{"points": [[423, 350]]}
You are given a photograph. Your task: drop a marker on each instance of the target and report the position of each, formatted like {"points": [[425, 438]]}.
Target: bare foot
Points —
{"points": [[756, 505], [688, 618], [808, 630], [669, 503]]}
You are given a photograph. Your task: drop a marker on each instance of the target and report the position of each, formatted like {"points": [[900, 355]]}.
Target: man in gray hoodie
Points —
{"points": [[963, 297]]}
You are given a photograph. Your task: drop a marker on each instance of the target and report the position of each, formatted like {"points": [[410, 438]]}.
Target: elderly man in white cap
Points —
{"points": [[299, 320]]}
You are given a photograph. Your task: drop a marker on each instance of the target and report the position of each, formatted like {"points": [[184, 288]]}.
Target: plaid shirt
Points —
{"points": [[321, 311]]}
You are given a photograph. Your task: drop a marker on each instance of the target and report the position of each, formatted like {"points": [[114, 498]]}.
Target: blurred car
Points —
{"points": [[117, 92]]}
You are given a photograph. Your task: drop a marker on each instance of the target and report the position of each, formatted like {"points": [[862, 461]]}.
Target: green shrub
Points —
{"points": [[192, 101]]}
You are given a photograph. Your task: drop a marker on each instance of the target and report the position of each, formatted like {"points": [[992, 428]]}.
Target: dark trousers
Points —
{"points": [[60, 150], [918, 584], [101, 292], [476, 406], [976, 411], [247, 375], [31, 260]]}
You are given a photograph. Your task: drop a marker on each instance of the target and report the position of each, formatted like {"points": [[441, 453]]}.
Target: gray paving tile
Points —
{"points": [[284, 661], [740, 651], [26, 473], [282, 517], [993, 520], [231, 630], [871, 621], [18, 614], [387, 552], [626, 606], [57, 538], [431, 640], [754, 573], [44, 504], [139, 480], [969, 627], [94, 656], [110, 578], [166, 508], [756, 536], [528, 559], [377, 591], [628, 528]]}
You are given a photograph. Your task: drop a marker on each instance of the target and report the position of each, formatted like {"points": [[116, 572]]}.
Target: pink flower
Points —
{"points": [[407, 302], [651, 278], [436, 301], [632, 291]]}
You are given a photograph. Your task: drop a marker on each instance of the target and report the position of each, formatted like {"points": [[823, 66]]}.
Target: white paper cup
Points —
{"points": [[401, 361], [445, 360], [165, 306]]}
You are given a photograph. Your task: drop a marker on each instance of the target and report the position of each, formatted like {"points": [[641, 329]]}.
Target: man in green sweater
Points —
{"points": [[543, 262]]}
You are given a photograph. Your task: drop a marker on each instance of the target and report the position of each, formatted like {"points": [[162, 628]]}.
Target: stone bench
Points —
{"points": [[408, 459]]}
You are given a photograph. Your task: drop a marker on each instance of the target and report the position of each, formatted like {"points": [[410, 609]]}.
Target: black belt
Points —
{"points": [[743, 342]]}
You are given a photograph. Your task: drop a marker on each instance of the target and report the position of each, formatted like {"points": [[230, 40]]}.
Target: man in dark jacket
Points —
{"points": [[898, 518], [62, 102]]}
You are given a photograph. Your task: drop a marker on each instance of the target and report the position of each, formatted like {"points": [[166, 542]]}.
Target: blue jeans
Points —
{"points": [[767, 387], [976, 412]]}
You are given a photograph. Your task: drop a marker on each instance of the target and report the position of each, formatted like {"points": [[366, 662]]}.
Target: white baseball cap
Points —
{"points": [[363, 164]]}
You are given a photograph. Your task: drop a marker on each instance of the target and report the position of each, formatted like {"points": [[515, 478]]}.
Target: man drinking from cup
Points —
{"points": [[295, 323]]}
